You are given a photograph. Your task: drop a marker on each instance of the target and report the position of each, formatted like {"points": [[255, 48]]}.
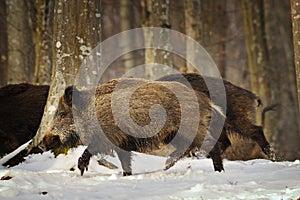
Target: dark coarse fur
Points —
{"points": [[241, 106], [242, 148], [147, 95], [22, 107]]}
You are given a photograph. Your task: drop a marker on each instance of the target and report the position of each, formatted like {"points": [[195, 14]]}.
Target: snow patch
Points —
{"points": [[58, 44], [47, 176]]}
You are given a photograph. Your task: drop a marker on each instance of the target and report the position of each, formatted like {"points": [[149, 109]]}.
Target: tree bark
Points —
{"points": [[3, 42], [76, 32], [257, 50], [192, 29], [283, 82], [20, 44], [272, 83], [126, 24], [156, 14], [43, 41], [295, 12], [213, 27]]}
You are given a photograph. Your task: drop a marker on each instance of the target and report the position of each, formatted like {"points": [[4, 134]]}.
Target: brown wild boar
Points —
{"points": [[22, 107], [241, 105], [122, 137]]}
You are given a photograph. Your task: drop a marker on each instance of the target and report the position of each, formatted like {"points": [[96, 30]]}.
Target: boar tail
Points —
{"points": [[271, 107]]}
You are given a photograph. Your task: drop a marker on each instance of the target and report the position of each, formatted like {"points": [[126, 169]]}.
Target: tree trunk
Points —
{"points": [[3, 42], [192, 29], [20, 44], [126, 17], [273, 84], [160, 16], [147, 22], [221, 35], [156, 14], [213, 27], [283, 82], [236, 63], [257, 49], [295, 12], [76, 32], [43, 41], [177, 19]]}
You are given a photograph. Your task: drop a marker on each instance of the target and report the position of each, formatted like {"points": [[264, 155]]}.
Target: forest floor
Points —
{"points": [[42, 176]]}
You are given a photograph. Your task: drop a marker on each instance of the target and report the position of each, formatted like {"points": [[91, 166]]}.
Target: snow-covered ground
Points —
{"points": [[46, 177]]}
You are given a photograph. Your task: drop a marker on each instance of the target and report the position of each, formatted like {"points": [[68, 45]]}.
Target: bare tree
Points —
{"points": [[156, 14], [282, 80], [213, 27], [236, 63], [126, 16], [3, 42], [71, 45], [272, 79], [147, 21], [295, 11], [192, 29], [257, 49], [43, 41], [20, 44]]}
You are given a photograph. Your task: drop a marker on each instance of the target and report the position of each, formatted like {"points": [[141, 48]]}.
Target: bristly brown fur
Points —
{"points": [[241, 106], [22, 107], [145, 96]]}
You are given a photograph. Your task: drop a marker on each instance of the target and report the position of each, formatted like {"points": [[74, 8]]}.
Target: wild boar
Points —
{"points": [[241, 107], [22, 107], [105, 133]]}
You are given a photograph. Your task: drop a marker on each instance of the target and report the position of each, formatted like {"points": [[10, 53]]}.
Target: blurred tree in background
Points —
{"points": [[295, 12]]}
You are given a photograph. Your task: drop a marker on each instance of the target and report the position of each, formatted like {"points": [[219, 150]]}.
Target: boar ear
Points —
{"points": [[68, 95]]}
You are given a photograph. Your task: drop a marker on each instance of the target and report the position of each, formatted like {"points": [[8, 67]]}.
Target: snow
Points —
{"points": [[58, 44], [42, 176]]}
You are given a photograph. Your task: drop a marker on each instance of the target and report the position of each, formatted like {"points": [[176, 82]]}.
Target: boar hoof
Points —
{"points": [[170, 163], [270, 153], [127, 173]]}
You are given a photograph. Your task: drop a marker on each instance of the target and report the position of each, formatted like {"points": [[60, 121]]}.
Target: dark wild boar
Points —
{"points": [[241, 106], [22, 107], [143, 112]]}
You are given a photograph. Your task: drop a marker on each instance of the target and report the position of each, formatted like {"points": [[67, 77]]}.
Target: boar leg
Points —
{"points": [[83, 161], [215, 155], [125, 159], [170, 162], [224, 142], [258, 136]]}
